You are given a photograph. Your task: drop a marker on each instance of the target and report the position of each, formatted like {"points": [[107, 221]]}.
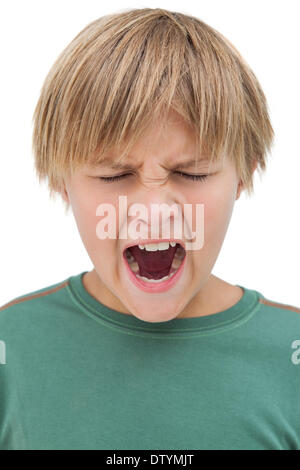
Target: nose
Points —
{"points": [[156, 211]]}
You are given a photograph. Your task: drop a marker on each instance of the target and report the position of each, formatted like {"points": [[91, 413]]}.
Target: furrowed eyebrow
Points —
{"points": [[114, 165], [120, 166], [190, 163]]}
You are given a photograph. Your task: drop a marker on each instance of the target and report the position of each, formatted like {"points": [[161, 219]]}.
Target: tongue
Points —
{"points": [[153, 264]]}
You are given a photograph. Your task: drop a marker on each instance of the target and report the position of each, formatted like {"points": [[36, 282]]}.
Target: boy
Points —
{"points": [[150, 350]]}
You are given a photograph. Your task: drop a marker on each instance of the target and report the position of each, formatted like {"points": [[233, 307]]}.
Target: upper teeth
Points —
{"points": [[157, 246]]}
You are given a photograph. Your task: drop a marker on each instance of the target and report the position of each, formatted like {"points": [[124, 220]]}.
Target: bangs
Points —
{"points": [[127, 70]]}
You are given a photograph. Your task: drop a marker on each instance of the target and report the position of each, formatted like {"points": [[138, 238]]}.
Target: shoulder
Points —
{"points": [[277, 306], [280, 317], [32, 300], [30, 320]]}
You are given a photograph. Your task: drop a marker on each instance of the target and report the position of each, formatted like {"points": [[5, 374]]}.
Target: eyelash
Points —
{"points": [[112, 179]]}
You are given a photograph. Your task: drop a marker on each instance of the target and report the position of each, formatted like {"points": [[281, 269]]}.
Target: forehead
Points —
{"points": [[111, 165], [169, 143], [131, 162]]}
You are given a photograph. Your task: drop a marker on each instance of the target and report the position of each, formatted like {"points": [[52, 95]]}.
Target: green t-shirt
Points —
{"points": [[75, 374]]}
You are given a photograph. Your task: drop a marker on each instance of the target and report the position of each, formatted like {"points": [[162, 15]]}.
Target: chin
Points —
{"points": [[158, 317]]}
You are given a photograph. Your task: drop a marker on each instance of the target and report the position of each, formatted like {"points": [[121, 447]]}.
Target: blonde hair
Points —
{"points": [[126, 69]]}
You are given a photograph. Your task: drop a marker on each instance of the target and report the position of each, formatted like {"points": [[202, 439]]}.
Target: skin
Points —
{"points": [[198, 292]]}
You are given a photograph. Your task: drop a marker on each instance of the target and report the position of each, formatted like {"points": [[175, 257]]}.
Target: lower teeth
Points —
{"points": [[155, 280]]}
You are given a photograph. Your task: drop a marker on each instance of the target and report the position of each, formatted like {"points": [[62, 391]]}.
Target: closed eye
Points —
{"points": [[111, 179], [192, 177]]}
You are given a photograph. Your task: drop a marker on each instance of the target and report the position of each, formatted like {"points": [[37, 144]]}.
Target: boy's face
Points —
{"points": [[152, 179]]}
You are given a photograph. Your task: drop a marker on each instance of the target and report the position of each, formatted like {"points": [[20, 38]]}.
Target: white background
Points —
{"points": [[41, 246]]}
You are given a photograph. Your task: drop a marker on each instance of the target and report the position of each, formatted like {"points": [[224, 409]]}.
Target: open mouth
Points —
{"points": [[155, 262]]}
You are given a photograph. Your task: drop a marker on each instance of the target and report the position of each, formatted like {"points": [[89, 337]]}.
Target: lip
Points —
{"points": [[153, 240], [155, 287]]}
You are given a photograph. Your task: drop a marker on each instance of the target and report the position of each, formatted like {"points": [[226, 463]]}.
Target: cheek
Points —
{"points": [[86, 222], [100, 251], [218, 207], [84, 207]]}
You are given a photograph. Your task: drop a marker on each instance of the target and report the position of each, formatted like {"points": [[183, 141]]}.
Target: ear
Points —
{"points": [[64, 193], [240, 187], [239, 190]]}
